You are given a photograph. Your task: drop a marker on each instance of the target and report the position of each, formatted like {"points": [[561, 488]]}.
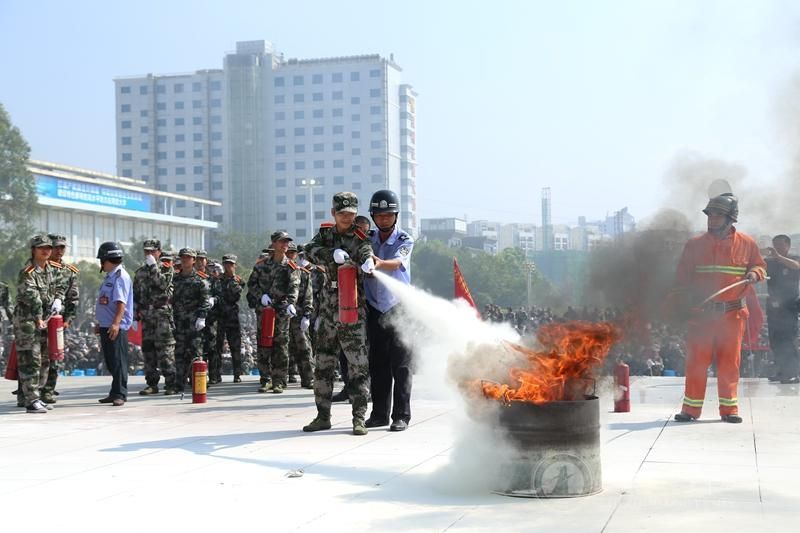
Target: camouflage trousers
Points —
{"points": [[331, 338], [210, 352], [233, 332], [32, 359], [300, 353], [158, 346], [188, 347], [273, 362]]}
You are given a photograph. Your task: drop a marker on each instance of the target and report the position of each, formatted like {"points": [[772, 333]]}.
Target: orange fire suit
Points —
{"points": [[708, 264]]}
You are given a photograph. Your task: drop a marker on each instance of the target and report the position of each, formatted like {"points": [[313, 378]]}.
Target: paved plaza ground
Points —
{"points": [[162, 462]]}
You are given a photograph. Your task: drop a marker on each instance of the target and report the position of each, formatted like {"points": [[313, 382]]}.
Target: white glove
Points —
{"points": [[150, 259], [316, 324], [340, 256], [368, 266], [199, 324], [211, 301], [304, 323], [304, 263], [266, 300], [56, 307], [291, 311]]}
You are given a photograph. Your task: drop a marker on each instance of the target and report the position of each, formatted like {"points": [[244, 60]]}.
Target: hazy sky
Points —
{"points": [[593, 99]]}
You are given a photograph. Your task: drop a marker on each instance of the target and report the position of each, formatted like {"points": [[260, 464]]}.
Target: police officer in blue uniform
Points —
{"points": [[783, 270], [389, 359]]}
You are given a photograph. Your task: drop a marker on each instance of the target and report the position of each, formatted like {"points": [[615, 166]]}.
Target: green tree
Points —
{"points": [[247, 246], [17, 198]]}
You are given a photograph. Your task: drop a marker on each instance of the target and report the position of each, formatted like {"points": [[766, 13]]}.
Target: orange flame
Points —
{"points": [[562, 370]]}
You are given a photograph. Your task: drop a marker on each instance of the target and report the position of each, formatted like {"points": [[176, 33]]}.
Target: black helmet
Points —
{"points": [[384, 201], [109, 250], [726, 203]]}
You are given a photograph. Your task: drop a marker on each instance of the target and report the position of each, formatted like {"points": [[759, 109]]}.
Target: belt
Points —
{"points": [[334, 285], [724, 307]]}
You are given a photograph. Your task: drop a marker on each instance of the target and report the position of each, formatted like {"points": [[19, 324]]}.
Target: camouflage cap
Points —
{"points": [[202, 253], [187, 251], [57, 240], [40, 241], [345, 201], [229, 258], [292, 247], [166, 256], [280, 235], [151, 244]]}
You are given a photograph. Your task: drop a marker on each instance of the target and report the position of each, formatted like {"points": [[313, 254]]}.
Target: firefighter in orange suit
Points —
{"points": [[710, 262]]}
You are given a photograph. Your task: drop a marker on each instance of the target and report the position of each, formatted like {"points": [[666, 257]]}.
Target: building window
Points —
{"points": [[299, 215], [216, 185], [376, 178], [319, 164], [179, 138], [299, 198], [197, 104], [280, 149], [180, 187], [198, 170], [319, 130], [180, 171], [299, 148], [281, 216], [161, 106], [280, 115], [125, 108], [144, 113], [355, 76], [127, 173], [216, 152], [301, 232], [374, 93], [179, 121], [178, 105], [180, 203], [161, 89], [216, 85], [376, 161], [338, 147], [216, 169], [126, 141], [318, 113], [180, 154], [197, 153], [355, 151], [338, 130], [376, 126], [319, 147], [280, 132], [199, 186], [197, 87], [356, 186], [356, 169], [337, 77], [278, 81], [197, 121], [216, 119], [297, 80], [216, 135], [299, 115], [316, 79], [355, 118], [216, 102], [375, 110], [338, 112], [319, 214], [375, 73], [279, 99], [355, 100], [144, 129], [177, 88], [280, 166], [144, 146], [127, 156], [125, 89], [298, 98], [299, 165], [376, 144], [338, 163], [125, 124], [337, 95], [316, 97], [144, 89], [144, 162], [162, 172], [338, 180], [280, 182], [299, 132], [161, 139], [280, 200], [197, 137]]}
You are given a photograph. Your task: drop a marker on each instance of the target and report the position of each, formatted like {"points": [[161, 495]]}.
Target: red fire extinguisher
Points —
{"points": [[55, 338], [11, 367], [348, 293], [267, 327], [199, 381], [622, 388]]}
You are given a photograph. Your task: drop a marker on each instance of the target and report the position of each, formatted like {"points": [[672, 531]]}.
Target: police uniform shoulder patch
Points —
{"points": [[73, 268], [202, 274], [360, 234], [55, 264], [403, 237], [292, 265]]}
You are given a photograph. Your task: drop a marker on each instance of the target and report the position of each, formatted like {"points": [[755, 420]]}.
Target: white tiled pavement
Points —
{"points": [[164, 462]]}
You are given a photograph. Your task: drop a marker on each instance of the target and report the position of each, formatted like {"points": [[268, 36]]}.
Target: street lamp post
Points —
{"points": [[310, 184]]}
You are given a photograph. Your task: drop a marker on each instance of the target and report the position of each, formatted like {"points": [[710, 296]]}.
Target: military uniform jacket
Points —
{"points": [[305, 295], [36, 290], [69, 280], [152, 287], [230, 292], [320, 249], [190, 295], [214, 292], [281, 280]]}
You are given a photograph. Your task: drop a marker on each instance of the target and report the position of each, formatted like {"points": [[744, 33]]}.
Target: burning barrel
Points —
{"points": [[556, 449]]}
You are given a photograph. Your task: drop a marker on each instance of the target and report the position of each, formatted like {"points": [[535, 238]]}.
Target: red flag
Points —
{"points": [[752, 331], [461, 289], [135, 335]]}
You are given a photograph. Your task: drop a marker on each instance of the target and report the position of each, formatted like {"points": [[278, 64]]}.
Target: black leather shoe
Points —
{"points": [[398, 425], [774, 379], [793, 380], [683, 417], [107, 399], [237, 379], [732, 419], [375, 423]]}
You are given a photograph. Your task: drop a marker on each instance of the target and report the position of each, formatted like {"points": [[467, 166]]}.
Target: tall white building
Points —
{"points": [[273, 139]]}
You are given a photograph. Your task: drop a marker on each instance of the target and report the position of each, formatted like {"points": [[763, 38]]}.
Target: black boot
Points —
{"points": [[732, 419], [684, 417]]}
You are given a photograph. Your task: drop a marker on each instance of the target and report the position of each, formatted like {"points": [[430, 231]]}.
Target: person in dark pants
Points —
{"points": [[784, 289], [389, 360], [114, 313]]}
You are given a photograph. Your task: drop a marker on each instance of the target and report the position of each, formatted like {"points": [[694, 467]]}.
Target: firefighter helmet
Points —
{"points": [[726, 203]]}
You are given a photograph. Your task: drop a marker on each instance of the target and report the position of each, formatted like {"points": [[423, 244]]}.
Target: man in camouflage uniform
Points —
{"points": [[40, 293], [69, 280], [152, 292], [230, 292], [5, 314], [274, 283], [301, 356], [334, 245], [190, 305], [203, 265]]}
